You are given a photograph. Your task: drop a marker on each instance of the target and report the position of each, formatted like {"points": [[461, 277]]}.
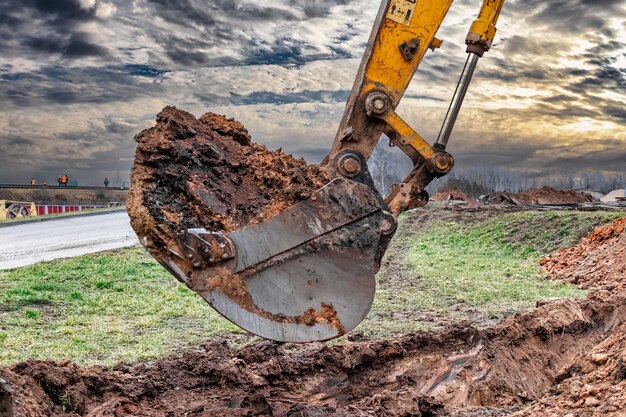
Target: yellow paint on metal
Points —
{"points": [[387, 68], [483, 29], [408, 135]]}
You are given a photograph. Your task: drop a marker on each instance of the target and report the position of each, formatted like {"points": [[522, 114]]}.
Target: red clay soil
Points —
{"points": [[594, 384], [207, 172], [450, 195], [545, 195], [598, 261]]}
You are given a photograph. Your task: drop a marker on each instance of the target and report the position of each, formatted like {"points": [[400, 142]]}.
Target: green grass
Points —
{"points": [[123, 306], [482, 271], [106, 308]]}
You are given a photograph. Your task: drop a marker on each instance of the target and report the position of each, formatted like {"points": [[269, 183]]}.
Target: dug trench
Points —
{"points": [[565, 358]]}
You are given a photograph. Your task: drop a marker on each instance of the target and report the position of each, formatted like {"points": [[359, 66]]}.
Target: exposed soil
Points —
{"points": [[207, 172], [568, 357], [421, 374], [450, 195], [598, 261], [545, 195]]}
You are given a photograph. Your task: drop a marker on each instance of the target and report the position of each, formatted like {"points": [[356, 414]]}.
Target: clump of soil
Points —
{"points": [[207, 172], [594, 383], [598, 261], [567, 358], [545, 195], [450, 195]]}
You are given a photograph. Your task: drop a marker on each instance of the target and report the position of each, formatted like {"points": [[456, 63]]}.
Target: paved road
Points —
{"points": [[29, 243]]}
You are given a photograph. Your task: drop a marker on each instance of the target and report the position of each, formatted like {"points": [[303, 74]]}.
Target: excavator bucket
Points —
{"points": [[284, 250]]}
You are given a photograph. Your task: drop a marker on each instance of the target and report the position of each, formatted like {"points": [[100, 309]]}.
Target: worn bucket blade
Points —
{"points": [[305, 275]]}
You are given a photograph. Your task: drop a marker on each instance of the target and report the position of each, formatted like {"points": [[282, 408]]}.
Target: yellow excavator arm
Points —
{"points": [[308, 273], [404, 31]]}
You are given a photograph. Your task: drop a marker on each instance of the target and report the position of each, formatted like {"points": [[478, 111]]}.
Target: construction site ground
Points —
{"points": [[464, 324]]}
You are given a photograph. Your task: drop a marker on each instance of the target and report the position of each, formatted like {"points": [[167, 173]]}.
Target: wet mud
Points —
{"points": [[565, 358], [207, 173]]}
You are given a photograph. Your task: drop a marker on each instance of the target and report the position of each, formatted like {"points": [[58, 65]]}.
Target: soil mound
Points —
{"points": [[598, 261], [545, 195], [207, 172], [450, 195]]}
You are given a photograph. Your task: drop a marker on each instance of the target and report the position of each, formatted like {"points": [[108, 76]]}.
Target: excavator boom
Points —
{"points": [[308, 273]]}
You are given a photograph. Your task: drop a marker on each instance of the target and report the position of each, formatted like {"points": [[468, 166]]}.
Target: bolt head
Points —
{"points": [[388, 224], [379, 104], [442, 164], [352, 166]]}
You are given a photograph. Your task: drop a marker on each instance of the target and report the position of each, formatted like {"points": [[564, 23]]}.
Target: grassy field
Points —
{"points": [[465, 267], [123, 307]]}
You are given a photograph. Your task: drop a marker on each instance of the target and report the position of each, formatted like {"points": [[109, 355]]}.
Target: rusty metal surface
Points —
{"points": [[339, 203]]}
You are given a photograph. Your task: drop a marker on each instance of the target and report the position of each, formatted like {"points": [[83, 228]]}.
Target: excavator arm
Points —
{"points": [[308, 273], [404, 31]]}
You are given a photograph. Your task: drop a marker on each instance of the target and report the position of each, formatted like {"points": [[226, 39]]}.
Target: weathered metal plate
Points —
{"points": [[305, 275], [339, 203], [327, 280]]}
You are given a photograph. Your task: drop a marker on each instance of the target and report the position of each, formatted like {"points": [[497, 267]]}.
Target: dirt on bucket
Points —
{"points": [[207, 172]]}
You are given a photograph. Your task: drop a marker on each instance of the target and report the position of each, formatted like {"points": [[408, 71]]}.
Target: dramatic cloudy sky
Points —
{"points": [[78, 78]]}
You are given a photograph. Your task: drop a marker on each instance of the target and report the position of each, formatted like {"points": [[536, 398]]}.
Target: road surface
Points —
{"points": [[32, 242]]}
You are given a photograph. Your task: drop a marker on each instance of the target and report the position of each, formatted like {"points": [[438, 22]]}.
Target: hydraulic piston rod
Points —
{"points": [[457, 101], [479, 40]]}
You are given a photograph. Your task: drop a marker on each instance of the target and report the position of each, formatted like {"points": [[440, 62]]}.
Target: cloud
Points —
{"points": [[79, 78]]}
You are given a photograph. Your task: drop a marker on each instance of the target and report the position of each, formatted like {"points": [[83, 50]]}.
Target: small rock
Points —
{"points": [[592, 402], [599, 358]]}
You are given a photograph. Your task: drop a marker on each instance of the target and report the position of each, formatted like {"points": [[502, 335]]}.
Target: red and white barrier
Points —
{"points": [[44, 210]]}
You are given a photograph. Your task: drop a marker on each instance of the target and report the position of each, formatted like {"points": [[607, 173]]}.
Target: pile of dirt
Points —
{"points": [[567, 357], [207, 172], [540, 196], [593, 385], [616, 195], [450, 195], [598, 261]]}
